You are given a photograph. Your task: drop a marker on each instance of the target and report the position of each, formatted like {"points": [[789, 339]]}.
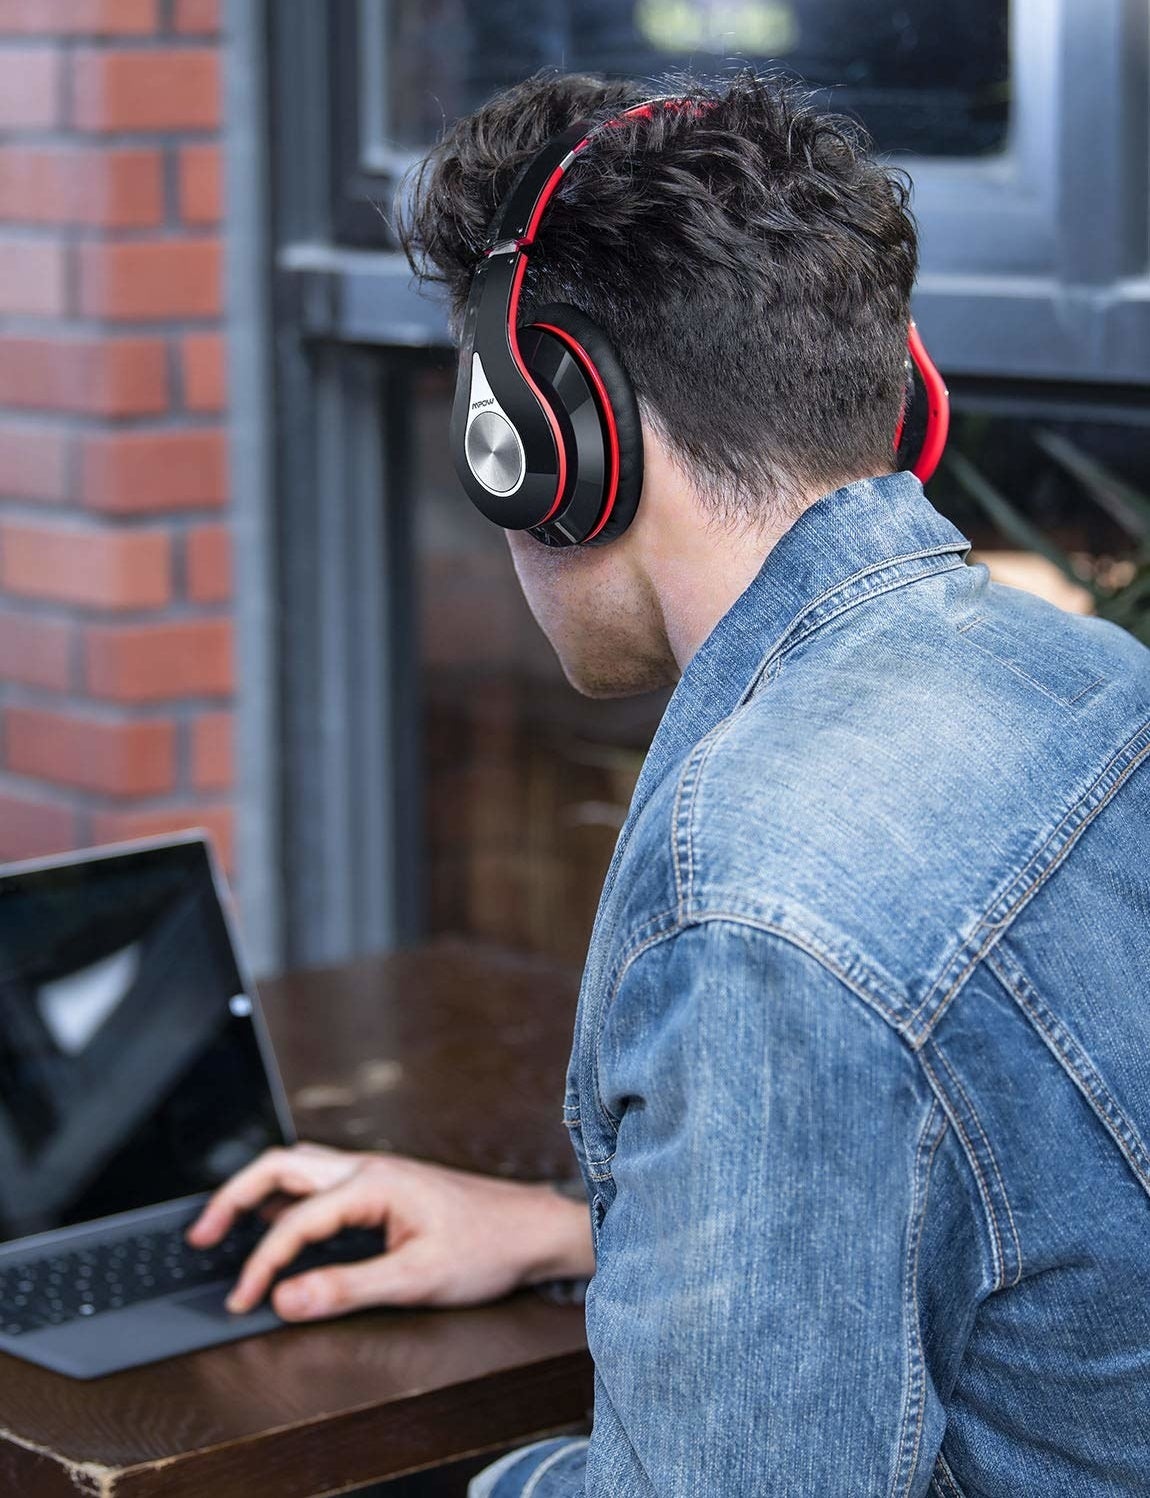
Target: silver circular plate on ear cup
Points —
{"points": [[494, 453]]}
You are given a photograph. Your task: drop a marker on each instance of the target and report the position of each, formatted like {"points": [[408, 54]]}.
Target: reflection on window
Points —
{"points": [[722, 26], [930, 77]]}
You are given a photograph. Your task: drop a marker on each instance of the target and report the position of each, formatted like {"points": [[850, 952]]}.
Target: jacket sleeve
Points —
{"points": [[753, 1317]]}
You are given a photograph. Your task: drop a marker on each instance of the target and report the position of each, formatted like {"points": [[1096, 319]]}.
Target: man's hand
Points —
{"points": [[453, 1238]]}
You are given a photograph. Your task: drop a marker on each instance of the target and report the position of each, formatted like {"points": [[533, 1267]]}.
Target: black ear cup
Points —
{"points": [[573, 358], [915, 412], [565, 384]]}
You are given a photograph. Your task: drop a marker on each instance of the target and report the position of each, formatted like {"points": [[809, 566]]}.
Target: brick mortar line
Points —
{"points": [[178, 555], [180, 610], [22, 787], [52, 610], [57, 328], [170, 183], [94, 41], [24, 696], [166, 231], [66, 94], [185, 755], [47, 137], [42, 513], [28, 697], [79, 699], [174, 368], [28, 787], [28, 325], [84, 423]]}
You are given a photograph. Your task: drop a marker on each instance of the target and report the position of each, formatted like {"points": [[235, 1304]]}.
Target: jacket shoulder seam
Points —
{"points": [[861, 982]]}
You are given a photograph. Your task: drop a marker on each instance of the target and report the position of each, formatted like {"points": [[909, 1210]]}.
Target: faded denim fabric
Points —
{"points": [[861, 1080]]}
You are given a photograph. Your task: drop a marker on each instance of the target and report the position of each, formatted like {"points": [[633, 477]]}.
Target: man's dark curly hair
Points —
{"points": [[750, 261]]}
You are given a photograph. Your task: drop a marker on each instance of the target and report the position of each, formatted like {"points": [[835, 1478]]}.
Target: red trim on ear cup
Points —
{"points": [[513, 337], [593, 375], [937, 410]]}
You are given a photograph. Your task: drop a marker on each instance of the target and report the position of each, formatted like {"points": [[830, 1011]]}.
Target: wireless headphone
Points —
{"points": [[545, 429]]}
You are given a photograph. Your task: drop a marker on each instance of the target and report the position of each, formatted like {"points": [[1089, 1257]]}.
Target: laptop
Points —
{"points": [[136, 1076]]}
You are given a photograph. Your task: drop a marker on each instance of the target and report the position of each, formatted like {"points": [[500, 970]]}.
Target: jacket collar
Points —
{"points": [[836, 542]]}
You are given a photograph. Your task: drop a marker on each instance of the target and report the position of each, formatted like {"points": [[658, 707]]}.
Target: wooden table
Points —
{"points": [[449, 1053]]}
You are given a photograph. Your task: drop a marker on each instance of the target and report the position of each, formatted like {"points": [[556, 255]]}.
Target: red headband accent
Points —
{"points": [[638, 111], [937, 409]]}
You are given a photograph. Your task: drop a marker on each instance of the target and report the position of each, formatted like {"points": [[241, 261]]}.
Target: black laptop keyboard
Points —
{"points": [[109, 1275]]}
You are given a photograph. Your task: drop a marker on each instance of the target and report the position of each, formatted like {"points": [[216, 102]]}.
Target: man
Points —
{"points": [[859, 1089]]}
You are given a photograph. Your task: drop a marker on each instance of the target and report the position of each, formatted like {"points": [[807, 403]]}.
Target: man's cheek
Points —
{"points": [[544, 579]]}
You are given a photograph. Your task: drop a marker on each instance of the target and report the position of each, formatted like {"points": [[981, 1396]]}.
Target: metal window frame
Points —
{"points": [[327, 792], [1073, 301], [258, 817], [1034, 261]]}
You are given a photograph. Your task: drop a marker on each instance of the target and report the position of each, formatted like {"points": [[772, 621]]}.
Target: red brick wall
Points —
{"points": [[116, 668]]}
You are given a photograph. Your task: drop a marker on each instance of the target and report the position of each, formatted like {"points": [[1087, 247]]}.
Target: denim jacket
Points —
{"points": [[860, 1087]]}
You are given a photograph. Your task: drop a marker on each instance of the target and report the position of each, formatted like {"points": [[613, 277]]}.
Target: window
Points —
{"points": [[927, 76], [1024, 127]]}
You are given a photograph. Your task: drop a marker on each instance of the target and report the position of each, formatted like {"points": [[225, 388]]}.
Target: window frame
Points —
{"points": [[1035, 268], [1034, 260]]}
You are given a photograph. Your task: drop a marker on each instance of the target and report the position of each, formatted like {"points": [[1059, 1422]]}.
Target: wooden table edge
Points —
{"points": [[550, 1394]]}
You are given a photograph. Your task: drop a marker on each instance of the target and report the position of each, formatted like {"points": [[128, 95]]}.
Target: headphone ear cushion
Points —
{"points": [[624, 408]]}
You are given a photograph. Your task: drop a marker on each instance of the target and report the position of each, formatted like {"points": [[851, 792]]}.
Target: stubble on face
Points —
{"points": [[599, 614]]}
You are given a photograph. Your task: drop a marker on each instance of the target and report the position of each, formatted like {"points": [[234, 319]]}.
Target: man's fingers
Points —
{"points": [[243, 1192], [399, 1278], [296, 1172], [311, 1221]]}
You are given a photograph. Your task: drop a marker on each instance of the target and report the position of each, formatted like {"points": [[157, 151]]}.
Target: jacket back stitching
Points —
{"points": [[1076, 1063], [915, 1403], [1007, 905], [954, 1114], [990, 1156]]}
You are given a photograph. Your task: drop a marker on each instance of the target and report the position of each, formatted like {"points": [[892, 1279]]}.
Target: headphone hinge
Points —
{"points": [[506, 247]]}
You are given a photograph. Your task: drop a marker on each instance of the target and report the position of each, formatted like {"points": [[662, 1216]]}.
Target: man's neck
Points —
{"points": [[694, 566], [697, 579]]}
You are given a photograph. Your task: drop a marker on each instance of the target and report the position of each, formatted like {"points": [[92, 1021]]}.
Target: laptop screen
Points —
{"points": [[130, 1069]]}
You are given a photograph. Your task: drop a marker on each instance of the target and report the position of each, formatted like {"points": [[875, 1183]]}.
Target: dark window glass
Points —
{"points": [[926, 76]]}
